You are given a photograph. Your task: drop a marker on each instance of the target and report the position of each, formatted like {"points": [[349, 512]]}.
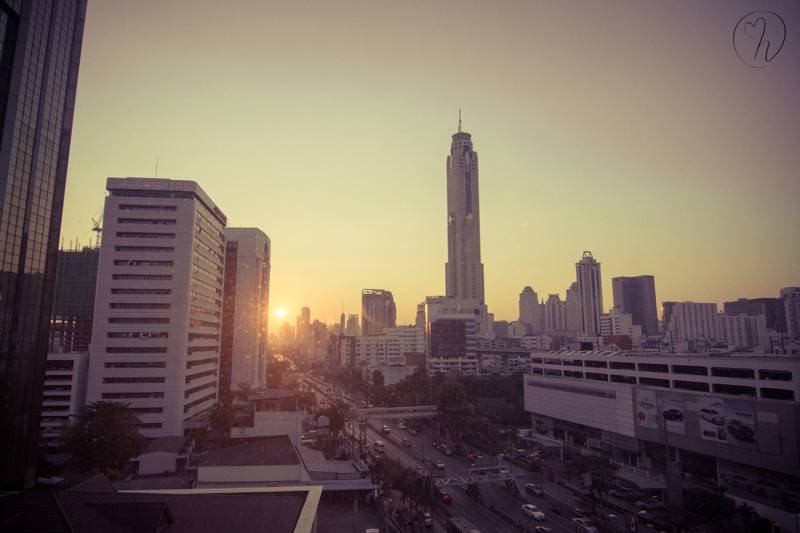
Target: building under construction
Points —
{"points": [[73, 300]]}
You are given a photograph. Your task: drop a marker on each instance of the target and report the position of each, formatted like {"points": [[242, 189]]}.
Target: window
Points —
{"points": [[572, 362], [653, 367], [536, 360], [551, 372], [737, 390], [48, 398], [139, 320], [189, 405], [553, 361], [148, 249], [136, 349], [142, 277], [573, 374], [142, 291], [596, 376], [144, 235], [690, 370], [537, 370], [776, 375], [138, 306], [150, 425], [135, 207], [59, 365], [200, 362], [654, 382], [155, 364], [200, 375], [196, 336], [137, 335], [621, 366], [142, 263], [596, 364], [739, 373], [195, 390], [148, 379], [690, 385], [131, 395], [148, 410], [156, 221], [201, 349], [777, 394]]}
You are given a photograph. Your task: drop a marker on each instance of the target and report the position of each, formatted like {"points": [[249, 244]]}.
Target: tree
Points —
{"points": [[453, 407], [104, 438], [221, 417], [378, 379], [600, 470]]}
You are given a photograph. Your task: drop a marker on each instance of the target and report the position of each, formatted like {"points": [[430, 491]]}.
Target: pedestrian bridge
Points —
{"points": [[416, 411]]}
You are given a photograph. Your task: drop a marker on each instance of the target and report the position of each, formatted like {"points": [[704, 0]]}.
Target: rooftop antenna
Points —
{"points": [[459, 120]]}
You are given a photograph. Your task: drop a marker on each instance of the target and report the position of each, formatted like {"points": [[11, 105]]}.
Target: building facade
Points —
{"points": [[158, 305], [73, 300], [590, 294], [464, 270], [555, 314], [791, 306], [453, 342], [530, 311], [40, 49], [772, 309], [573, 309], [64, 394], [637, 296], [245, 311], [378, 311]]}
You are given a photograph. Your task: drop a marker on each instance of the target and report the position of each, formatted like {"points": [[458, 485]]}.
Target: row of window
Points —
{"points": [[136, 349], [153, 364], [201, 349], [156, 221], [60, 365], [146, 249], [137, 207], [725, 372], [198, 388], [145, 235], [200, 375], [131, 395], [200, 362], [139, 379], [137, 305], [142, 263], [141, 277], [160, 292], [198, 401], [137, 335], [138, 320]]}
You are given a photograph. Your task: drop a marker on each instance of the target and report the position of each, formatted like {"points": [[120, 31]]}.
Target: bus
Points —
{"points": [[456, 524]]}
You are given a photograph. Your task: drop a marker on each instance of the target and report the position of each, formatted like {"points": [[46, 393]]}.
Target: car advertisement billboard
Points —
{"points": [[740, 423], [646, 410], [712, 418], [673, 413]]}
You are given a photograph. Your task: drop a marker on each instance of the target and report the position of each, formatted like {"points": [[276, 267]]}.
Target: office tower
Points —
{"points": [[377, 311], [342, 324], [245, 310], [464, 270], [637, 297], [573, 309], [158, 306], [530, 310], [352, 329], [453, 342], [772, 309], [688, 321], [73, 300], [40, 49], [64, 394], [791, 306], [590, 294], [420, 318], [500, 329], [555, 312], [303, 330]]}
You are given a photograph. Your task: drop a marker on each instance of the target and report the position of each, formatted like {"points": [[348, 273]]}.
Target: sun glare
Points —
{"points": [[280, 312]]}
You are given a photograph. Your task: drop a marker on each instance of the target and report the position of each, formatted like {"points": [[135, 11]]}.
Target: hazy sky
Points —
{"points": [[630, 129]]}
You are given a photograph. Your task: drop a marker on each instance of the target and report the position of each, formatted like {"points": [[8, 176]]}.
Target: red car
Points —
{"points": [[446, 498]]}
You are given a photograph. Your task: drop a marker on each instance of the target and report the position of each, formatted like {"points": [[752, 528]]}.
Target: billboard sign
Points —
{"points": [[740, 423], [646, 410], [673, 412], [712, 418]]}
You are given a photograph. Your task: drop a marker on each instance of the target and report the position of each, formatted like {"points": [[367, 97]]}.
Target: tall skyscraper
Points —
{"points": [[573, 309], [352, 329], [530, 310], [378, 311], [555, 312], [73, 300], [464, 270], [590, 293], [419, 321], [156, 331], [40, 50], [637, 297], [245, 310], [791, 306]]}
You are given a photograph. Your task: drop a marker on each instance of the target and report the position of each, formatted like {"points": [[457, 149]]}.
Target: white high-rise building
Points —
{"points": [[464, 270], [555, 314], [590, 293], [791, 305], [245, 309], [690, 321], [531, 312], [618, 322], [158, 303]]}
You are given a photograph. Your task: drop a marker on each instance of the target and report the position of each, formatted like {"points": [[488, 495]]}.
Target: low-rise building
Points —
{"points": [[64, 393]]}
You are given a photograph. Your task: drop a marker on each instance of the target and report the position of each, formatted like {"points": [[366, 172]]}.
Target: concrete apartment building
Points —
{"points": [[158, 304], [732, 421], [64, 393]]}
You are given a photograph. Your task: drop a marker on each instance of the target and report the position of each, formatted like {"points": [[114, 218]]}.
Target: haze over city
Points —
{"points": [[328, 124]]}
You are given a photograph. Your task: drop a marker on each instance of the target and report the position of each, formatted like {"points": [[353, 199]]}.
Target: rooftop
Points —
{"points": [[256, 451], [165, 444]]}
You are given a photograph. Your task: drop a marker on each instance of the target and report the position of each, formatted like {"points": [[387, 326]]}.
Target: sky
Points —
{"points": [[631, 129]]}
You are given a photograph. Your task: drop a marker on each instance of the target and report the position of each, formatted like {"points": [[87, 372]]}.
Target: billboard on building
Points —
{"points": [[674, 414], [712, 418], [646, 409], [740, 422]]}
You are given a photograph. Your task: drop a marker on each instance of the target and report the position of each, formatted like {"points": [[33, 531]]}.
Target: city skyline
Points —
{"points": [[563, 169]]}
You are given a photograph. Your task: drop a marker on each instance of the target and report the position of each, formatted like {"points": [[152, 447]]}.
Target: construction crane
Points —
{"points": [[97, 227]]}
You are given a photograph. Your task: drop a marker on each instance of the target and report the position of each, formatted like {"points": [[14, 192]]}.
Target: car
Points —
{"points": [[445, 497], [542, 529], [581, 513], [413, 432], [713, 416], [740, 431], [447, 451], [528, 509], [439, 465], [427, 519], [401, 425], [673, 415], [385, 429], [584, 526], [472, 456], [533, 488]]}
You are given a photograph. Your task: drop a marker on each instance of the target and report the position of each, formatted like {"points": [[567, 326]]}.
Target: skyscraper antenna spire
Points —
{"points": [[459, 120]]}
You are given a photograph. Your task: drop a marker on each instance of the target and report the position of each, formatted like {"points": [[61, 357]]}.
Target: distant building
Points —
{"points": [[685, 321], [772, 309], [453, 342], [517, 330], [530, 312], [618, 323], [64, 393], [303, 329], [352, 328], [245, 310], [573, 309], [378, 311], [156, 331], [637, 297], [500, 329], [73, 300], [590, 293], [791, 303], [420, 318], [555, 314]]}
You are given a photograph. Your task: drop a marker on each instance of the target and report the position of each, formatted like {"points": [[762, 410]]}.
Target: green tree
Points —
{"points": [[453, 407], [103, 439]]}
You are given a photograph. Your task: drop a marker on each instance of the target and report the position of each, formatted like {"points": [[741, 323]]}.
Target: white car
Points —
{"points": [[439, 465], [529, 509]]}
